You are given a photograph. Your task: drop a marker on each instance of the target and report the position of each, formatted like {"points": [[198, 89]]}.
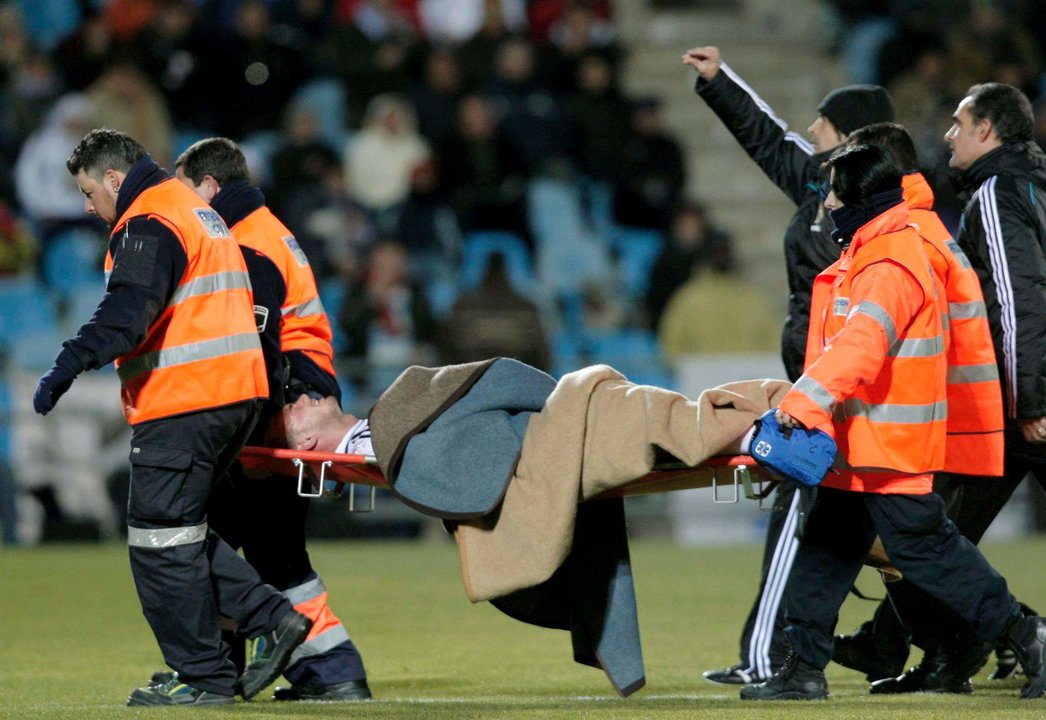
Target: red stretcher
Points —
{"points": [[729, 476]]}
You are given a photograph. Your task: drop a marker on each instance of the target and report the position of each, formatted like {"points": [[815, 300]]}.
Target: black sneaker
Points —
{"points": [[269, 653], [733, 675], [931, 675], [796, 680], [177, 693], [1027, 638], [351, 691]]}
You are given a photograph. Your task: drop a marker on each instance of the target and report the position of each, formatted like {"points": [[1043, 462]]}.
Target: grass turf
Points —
{"points": [[73, 642]]}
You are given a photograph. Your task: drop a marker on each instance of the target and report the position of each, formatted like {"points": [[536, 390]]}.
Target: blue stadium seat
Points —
{"points": [[72, 259], [25, 305], [637, 250], [332, 295], [475, 258], [326, 99], [634, 352]]}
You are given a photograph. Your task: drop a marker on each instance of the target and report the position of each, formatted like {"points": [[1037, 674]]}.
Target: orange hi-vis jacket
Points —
{"points": [[202, 351], [305, 325], [875, 376], [975, 413]]}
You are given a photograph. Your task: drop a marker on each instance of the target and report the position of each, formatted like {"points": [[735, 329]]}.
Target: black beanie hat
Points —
{"points": [[855, 106]]}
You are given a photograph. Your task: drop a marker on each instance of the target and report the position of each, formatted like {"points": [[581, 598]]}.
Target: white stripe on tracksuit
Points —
{"points": [[791, 136], [773, 591], [1003, 287]]}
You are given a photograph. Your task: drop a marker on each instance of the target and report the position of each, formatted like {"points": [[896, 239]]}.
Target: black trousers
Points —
{"points": [[179, 565], [922, 543]]}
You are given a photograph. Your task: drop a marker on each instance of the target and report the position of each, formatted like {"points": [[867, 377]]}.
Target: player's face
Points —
{"points": [[305, 418], [963, 137], [824, 135], [99, 195]]}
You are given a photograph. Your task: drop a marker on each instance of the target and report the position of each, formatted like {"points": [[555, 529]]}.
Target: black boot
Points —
{"points": [[796, 680], [931, 675], [878, 648], [1027, 638]]}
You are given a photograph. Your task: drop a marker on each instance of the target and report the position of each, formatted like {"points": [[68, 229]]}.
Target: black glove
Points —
{"points": [[52, 386]]}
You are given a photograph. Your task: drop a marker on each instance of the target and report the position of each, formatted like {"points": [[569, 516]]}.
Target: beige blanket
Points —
{"points": [[597, 431]]}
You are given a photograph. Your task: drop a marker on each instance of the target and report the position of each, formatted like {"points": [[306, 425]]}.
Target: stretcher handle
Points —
{"points": [[298, 463]]}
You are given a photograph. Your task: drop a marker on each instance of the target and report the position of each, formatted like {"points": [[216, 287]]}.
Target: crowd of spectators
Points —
{"points": [[928, 53], [385, 133]]}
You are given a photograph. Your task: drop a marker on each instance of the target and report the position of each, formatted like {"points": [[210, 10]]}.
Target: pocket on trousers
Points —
{"points": [[158, 475]]}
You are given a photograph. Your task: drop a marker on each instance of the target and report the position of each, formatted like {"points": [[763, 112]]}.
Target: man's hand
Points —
{"points": [[785, 420], [51, 387], [1034, 429], [703, 59]]}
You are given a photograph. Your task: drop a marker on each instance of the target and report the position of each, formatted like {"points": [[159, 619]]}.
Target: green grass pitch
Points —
{"points": [[73, 642]]}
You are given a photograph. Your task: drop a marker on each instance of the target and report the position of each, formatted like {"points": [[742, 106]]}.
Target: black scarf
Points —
{"points": [[849, 218]]}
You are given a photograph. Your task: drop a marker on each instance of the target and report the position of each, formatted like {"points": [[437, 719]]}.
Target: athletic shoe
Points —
{"points": [[162, 677], [177, 693], [796, 680], [1006, 665], [351, 691], [733, 675], [269, 653]]}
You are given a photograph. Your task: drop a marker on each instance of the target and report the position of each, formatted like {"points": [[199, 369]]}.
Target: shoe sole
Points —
{"points": [[295, 636], [788, 696], [358, 697], [152, 700]]}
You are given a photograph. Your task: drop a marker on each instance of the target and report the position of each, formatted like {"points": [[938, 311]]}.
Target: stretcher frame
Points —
{"points": [[315, 469]]}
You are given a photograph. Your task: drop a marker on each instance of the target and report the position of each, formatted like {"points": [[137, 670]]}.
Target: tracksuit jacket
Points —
{"points": [[1003, 232], [790, 162]]}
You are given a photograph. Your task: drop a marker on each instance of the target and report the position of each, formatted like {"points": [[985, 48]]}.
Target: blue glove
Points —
{"points": [[51, 387], [798, 454]]}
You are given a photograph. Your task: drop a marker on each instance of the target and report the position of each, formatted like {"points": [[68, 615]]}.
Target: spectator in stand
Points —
{"points": [[372, 51], [652, 171], [692, 242], [543, 15], [427, 225], [18, 250], [125, 99], [84, 55], [379, 160], [478, 53], [174, 49], [485, 184], [578, 32], [30, 93], [600, 117], [436, 97], [254, 69], [299, 157], [386, 320], [988, 39], [530, 117], [52, 200], [920, 95], [454, 21], [493, 320], [715, 311]]}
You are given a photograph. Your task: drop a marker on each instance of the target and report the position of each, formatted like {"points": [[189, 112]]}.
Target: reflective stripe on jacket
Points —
{"points": [[202, 350], [875, 367], [975, 413], [327, 632], [305, 325]]}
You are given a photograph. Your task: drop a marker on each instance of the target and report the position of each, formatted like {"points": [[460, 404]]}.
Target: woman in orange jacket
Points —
{"points": [[875, 380]]}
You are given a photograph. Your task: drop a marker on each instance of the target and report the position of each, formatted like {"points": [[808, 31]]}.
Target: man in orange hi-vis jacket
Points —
{"points": [[875, 379], [177, 320], [265, 516]]}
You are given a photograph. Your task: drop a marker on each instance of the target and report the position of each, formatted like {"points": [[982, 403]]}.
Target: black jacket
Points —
{"points": [[1003, 232], [789, 161], [148, 263]]}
